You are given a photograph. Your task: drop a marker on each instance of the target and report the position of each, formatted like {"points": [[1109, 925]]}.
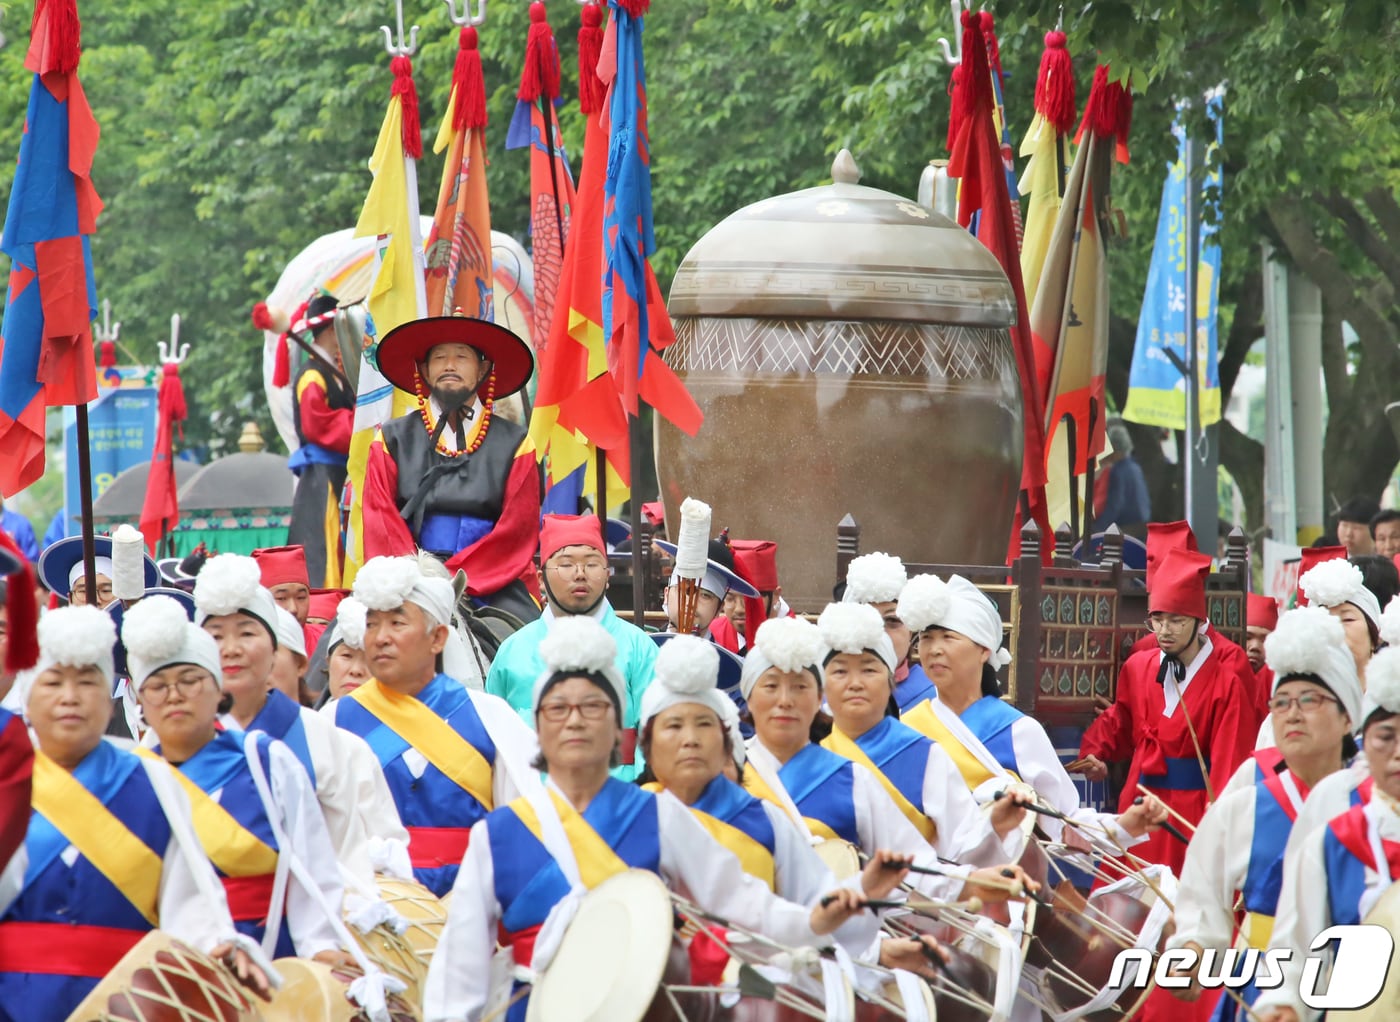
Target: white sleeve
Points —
{"points": [[516, 746], [1040, 767], [1217, 861], [702, 869], [882, 826], [802, 878], [336, 790], [305, 831], [1265, 738], [1302, 914], [1243, 777], [458, 982], [965, 833]]}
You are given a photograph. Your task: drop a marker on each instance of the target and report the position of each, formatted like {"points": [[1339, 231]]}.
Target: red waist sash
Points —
{"points": [[431, 847], [249, 898], [520, 942], [60, 949]]}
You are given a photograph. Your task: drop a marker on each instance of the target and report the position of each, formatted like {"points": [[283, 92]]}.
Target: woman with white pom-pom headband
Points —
{"points": [[830, 796], [111, 848], [529, 862], [1238, 846], [1339, 872], [232, 605], [254, 809]]}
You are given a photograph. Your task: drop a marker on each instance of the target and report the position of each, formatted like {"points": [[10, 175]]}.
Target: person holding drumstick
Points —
{"points": [[1342, 869], [685, 720], [829, 795], [111, 848], [1239, 843], [918, 775], [528, 862], [958, 632]]}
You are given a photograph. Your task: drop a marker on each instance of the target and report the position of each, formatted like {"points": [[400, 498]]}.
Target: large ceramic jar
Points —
{"points": [[851, 353]]}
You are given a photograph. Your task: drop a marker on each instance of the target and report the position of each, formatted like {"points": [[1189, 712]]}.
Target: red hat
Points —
{"points": [[1179, 584], [1312, 557], [324, 603], [1164, 536], [756, 561], [654, 511], [559, 531], [408, 344], [1262, 612], [282, 564]]}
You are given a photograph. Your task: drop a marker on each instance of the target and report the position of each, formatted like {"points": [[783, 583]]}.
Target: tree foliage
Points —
{"points": [[237, 131]]}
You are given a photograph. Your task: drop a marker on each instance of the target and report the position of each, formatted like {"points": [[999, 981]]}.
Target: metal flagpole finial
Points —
{"points": [[109, 330], [176, 353], [466, 18], [400, 49], [951, 56]]}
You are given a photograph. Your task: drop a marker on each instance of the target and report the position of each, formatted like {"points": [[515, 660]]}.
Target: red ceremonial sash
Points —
{"points": [[431, 847], [57, 949], [249, 898]]}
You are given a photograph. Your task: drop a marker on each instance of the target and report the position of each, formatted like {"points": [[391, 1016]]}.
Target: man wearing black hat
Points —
{"points": [[324, 415], [451, 478]]}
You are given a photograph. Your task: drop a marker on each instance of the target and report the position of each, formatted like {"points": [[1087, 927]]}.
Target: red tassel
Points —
{"points": [[993, 47], [55, 38], [262, 316], [408, 99], [1054, 88], [540, 76], [636, 8], [468, 83], [107, 357], [1108, 112], [171, 399], [21, 613], [590, 50], [282, 363]]}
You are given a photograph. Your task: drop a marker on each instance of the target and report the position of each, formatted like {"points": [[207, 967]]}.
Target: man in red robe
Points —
{"points": [[1181, 714], [1261, 618], [451, 478]]}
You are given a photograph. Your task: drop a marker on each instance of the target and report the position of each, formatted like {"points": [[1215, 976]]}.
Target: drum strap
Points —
{"points": [[431, 736], [116, 853], [234, 849], [839, 743]]}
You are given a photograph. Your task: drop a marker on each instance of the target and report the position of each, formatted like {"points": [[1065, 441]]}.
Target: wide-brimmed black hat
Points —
{"points": [[405, 346]]}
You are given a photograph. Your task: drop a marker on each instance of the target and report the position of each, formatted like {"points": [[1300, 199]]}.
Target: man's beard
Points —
{"points": [[453, 400]]}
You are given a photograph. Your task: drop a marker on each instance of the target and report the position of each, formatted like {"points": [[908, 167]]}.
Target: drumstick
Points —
{"points": [[1036, 807], [1170, 811], [520, 994], [1166, 826]]}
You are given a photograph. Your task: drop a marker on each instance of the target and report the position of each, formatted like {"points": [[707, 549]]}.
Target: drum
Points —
{"points": [[163, 980], [1386, 912], [312, 992], [1127, 913], [978, 984], [840, 857], [421, 909]]}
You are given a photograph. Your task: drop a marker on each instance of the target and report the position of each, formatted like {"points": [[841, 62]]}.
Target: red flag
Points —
{"points": [[976, 161], [160, 512]]}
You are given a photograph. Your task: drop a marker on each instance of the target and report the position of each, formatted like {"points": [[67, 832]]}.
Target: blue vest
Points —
{"points": [[901, 753], [280, 718], [731, 804], [822, 785], [914, 689], [990, 719]]}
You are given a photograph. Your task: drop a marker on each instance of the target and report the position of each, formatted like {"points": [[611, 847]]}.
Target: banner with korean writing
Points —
{"points": [[1156, 387], [121, 433]]}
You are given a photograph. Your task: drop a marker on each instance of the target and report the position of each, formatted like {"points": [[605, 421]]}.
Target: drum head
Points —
{"points": [[1387, 1006], [162, 979], [610, 962], [840, 857]]}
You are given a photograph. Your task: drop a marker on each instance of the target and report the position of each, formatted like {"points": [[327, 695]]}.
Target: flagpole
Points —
{"points": [[641, 559], [406, 47], [85, 503]]}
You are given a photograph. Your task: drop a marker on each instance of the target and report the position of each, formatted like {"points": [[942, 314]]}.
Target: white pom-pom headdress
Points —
{"points": [[232, 584], [874, 578], [957, 605], [1334, 582], [1390, 622], [157, 634], [855, 628], [1382, 684], [1310, 641], [71, 637], [578, 644], [350, 617], [787, 643], [387, 583], [686, 671]]}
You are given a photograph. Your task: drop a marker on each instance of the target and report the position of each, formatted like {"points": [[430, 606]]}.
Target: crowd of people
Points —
{"points": [[243, 760]]}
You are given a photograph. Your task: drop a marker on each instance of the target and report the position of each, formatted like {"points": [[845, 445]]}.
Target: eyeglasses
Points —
{"points": [[158, 692], [567, 569], [1308, 702], [1169, 622], [591, 709]]}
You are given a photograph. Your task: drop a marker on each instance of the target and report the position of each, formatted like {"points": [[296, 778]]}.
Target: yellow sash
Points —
{"points": [[236, 850], [596, 859], [924, 720], [757, 786], [117, 853], [839, 743], [1257, 930], [432, 736], [756, 860]]}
